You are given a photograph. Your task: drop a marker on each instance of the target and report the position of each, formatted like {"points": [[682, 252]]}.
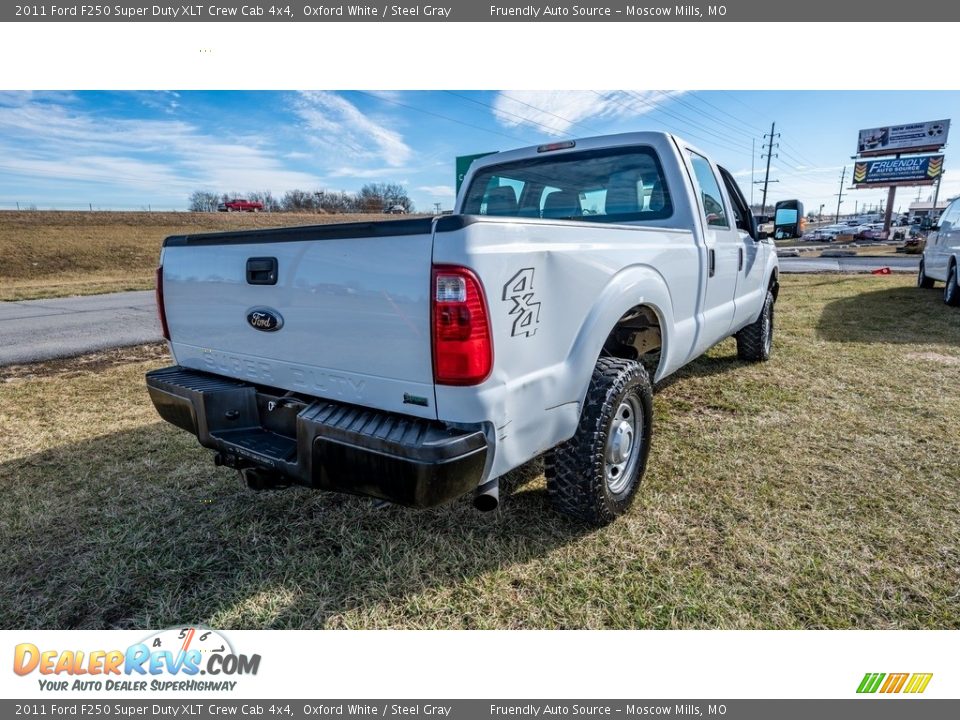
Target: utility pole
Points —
{"points": [[436, 208], [936, 194], [753, 156], [769, 155], [843, 176]]}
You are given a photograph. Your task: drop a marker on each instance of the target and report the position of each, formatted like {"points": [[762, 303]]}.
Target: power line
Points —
{"points": [[551, 130], [694, 108], [694, 123], [442, 117], [683, 131], [559, 117], [755, 129]]}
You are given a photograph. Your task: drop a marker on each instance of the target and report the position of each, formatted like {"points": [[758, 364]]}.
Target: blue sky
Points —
{"points": [[131, 150]]}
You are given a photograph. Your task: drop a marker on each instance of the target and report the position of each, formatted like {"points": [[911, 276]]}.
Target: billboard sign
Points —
{"points": [[900, 171], [463, 165], [916, 137]]}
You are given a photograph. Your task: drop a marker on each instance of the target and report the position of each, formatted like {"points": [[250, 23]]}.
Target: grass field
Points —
{"points": [[819, 490], [54, 254]]}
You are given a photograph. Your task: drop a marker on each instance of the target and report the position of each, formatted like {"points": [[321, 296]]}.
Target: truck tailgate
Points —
{"points": [[352, 302]]}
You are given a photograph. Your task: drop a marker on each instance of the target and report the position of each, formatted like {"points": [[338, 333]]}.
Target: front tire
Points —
{"points": [[755, 341], [951, 290], [923, 281], [595, 475]]}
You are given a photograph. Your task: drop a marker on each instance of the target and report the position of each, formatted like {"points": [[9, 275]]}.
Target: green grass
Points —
{"points": [[819, 490]]}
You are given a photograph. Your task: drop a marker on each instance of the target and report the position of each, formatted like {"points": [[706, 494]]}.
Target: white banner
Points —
{"points": [[471, 664]]}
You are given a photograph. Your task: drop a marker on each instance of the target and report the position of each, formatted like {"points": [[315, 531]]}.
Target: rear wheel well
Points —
{"points": [[636, 336]]}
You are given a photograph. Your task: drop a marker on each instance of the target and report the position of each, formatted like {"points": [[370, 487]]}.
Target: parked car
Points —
{"points": [[941, 255], [834, 231], [818, 235], [395, 210], [417, 360], [873, 231], [239, 205], [913, 245]]}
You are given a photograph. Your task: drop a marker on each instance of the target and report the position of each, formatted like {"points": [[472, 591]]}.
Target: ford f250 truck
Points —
{"points": [[419, 360]]}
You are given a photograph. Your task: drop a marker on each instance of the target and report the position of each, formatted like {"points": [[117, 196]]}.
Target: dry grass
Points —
{"points": [[819, 490], [54, 254]]}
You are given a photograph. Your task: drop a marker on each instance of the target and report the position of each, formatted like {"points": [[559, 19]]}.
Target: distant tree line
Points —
{"points": [[371, 198]]}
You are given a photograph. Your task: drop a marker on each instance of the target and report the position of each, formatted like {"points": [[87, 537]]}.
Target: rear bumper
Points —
{"points": [[319, 443]]}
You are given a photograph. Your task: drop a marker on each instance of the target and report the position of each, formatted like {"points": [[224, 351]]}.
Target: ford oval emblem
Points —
{"points": [[265, 319]]}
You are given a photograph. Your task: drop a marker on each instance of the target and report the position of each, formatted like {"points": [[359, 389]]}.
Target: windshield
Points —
{"points": [[611, 185], [786, 216]]}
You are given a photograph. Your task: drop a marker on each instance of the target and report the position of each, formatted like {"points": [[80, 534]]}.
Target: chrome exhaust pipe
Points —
{"points": [[487, 496]]}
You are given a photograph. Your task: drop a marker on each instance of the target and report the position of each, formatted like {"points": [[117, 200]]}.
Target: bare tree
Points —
{"points": [[382, 197], [202, 201], [298, 201]]}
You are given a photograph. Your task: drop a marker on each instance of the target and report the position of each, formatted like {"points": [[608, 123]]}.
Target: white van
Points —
{"points": [[941, 255]]}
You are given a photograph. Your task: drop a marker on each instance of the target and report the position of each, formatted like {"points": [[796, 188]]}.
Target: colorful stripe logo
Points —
{"points": [[935, 166], [914, 683]]}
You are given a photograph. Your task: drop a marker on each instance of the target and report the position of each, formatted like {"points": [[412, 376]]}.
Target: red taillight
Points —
{"points": [[161, 311], [462, 347]]}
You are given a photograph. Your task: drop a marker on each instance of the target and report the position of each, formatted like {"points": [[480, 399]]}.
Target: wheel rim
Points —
{"points": [[624, 441]]}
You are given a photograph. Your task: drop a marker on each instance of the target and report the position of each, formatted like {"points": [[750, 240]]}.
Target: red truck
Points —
{"points": [[238, 205]]}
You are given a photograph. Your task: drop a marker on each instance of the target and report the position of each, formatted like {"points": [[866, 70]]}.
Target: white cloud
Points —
{"points": [[561, 112], [341, 128], [381, 173], [55, 143], [437, 190]]}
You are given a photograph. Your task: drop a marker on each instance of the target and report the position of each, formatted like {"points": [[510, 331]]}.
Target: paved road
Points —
{"points": [[897, 263], [34, 330]]}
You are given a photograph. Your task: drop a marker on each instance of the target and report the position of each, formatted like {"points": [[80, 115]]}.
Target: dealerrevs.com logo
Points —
{"points": [[179, 659], [892, 683]]}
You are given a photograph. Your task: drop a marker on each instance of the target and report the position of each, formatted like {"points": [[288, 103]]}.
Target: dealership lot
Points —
{"points": [[811, 491]]}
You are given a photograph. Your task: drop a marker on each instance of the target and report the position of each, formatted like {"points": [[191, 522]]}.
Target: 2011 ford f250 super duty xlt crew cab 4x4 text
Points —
{"points": [[418, 360]]}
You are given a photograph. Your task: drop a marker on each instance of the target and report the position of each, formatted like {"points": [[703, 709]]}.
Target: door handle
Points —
{"points": [[262, 271], [712, 255], [740, 263]]}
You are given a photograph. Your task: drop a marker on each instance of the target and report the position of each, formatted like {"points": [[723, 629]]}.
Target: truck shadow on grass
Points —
{"points": [[903, 315], [137, 529]]}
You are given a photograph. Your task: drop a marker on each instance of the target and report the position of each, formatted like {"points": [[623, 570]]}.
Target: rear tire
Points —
{"points": [[922, 280], [595, 475], [755, 341], [951, 290]]}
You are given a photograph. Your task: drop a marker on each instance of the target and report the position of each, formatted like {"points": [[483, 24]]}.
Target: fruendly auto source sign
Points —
{"points": [[900, 171], [916, 137]]}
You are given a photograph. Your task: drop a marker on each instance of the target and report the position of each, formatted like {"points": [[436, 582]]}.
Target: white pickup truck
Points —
{"points": [[418, 360]]}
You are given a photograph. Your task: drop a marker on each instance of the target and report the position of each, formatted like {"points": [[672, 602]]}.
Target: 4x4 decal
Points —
{"points": [[526, 312]]}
